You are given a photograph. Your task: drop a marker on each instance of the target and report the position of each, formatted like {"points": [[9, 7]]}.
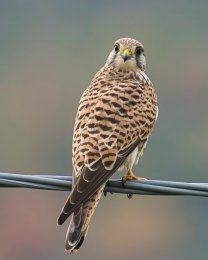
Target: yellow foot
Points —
{"points": [[130, 176]]}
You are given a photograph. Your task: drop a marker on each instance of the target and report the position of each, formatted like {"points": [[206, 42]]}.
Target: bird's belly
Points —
{"points": [[134, 157], [130, 160]]}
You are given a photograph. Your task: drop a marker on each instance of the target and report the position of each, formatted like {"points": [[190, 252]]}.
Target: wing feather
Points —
{"points": [[116, 114], [89, 182]]}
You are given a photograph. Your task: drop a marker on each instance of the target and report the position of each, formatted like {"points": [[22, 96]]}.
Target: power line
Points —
{"points": [[64, 183]]}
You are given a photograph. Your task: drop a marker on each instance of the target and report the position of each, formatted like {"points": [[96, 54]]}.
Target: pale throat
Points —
{"points": [[129, 65]]}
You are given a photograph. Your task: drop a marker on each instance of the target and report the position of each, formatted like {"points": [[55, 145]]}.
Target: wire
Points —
{"points": [[64, 183]]}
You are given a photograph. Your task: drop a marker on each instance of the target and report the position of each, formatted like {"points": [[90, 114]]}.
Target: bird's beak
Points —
{"points": [[126, 54]]}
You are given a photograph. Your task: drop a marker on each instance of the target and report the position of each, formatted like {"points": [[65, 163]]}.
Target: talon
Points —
{"points": [[129, 196], [130, 176], [122, 183], [139, 178], [105, 193]]}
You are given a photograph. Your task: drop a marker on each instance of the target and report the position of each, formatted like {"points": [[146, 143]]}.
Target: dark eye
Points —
{"points": [[138, 51], [116, 48]]}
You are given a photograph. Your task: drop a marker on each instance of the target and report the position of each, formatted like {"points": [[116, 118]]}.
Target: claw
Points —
{"points": [[129, 196], [122, 183], [105, 193], [130, 176]]}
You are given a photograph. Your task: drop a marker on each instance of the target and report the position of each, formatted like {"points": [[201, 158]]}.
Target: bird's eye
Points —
{"points": [[116, 48], [138, 51]]}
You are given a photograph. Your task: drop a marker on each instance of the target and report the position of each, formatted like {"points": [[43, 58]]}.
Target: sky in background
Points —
{"points": [[49, 51]]}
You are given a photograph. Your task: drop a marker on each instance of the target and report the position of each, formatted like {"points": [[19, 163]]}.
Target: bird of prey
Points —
{"points": [[114, 120]]}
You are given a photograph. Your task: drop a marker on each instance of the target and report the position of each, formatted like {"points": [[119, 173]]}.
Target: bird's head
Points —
{"points": [[127, 54]]}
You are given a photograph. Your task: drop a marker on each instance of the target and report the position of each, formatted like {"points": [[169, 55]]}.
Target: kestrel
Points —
{"points": [[114, 120]]}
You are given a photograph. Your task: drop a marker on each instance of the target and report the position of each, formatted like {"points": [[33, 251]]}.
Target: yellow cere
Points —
{"points": [[127, 52]]}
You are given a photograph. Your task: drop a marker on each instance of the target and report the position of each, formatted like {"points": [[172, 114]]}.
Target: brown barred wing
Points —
{"points": [[90, 181]]}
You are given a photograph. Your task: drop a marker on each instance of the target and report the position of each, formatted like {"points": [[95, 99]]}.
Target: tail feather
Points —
{"points": [[79, 223], [76, 232], [62, 218]]}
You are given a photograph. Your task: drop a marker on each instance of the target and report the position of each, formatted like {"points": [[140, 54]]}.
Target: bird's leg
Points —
{"points": [[130, 176]]}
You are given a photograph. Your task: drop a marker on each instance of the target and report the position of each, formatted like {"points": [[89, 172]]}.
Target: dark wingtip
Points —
{"points": [[62, 218]]}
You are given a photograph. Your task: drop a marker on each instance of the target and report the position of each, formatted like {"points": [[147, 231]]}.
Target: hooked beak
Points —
{"points": [[126, 54]]}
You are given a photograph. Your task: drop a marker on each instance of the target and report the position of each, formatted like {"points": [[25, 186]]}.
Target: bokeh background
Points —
{"points": [[49, 51]]}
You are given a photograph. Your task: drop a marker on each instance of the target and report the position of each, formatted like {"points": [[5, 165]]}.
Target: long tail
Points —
{"points": [[79, 223]]}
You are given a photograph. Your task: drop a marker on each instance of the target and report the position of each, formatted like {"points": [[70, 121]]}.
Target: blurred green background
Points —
{"points": [[49, 51]]}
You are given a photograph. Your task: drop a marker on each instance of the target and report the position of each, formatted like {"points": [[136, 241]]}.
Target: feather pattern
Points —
{"points": [[115, 117]]}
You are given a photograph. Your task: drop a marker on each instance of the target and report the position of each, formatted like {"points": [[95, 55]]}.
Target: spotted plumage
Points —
{"points": [[115, 118]]}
